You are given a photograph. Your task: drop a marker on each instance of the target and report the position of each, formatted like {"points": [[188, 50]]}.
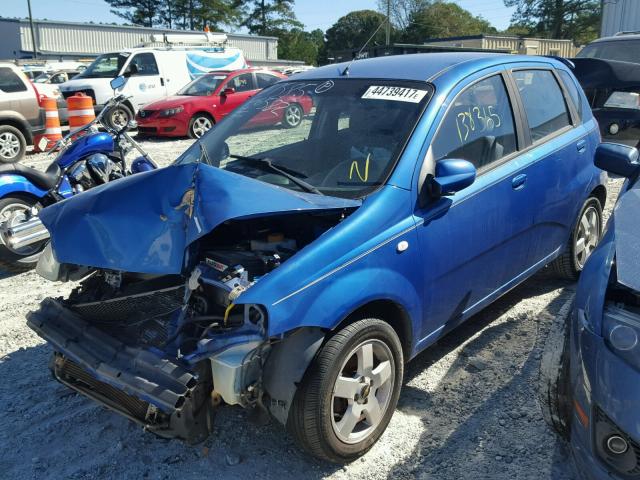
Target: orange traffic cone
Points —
{"points": [[52, 132], [81, 111]]}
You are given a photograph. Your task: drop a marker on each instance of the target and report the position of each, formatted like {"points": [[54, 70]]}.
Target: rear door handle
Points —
{"points": [[581, 146], [518, 181]]}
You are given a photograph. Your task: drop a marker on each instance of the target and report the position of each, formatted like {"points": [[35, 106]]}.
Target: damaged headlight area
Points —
{"points": [[166, 350]]}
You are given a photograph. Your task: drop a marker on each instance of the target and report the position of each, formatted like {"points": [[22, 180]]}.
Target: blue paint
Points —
{"points": [[12, 184], [99, 142], [464, 250]]}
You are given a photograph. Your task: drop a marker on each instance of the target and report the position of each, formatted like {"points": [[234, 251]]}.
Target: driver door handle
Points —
{"points": [[519, 181]]}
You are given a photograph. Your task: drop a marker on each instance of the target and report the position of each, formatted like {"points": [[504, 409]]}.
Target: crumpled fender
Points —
{"points": [[144, 223], [11, 184]]}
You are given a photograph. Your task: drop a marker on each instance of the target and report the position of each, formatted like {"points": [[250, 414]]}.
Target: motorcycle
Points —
{"points": [[86, 157]]}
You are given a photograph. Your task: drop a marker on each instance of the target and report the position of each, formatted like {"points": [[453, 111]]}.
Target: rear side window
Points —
{"points": [[10, 82], [543, 102], [571, 87], [264, 79], [479, 126]]}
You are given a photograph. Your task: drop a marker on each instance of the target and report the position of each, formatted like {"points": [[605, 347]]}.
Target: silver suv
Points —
{"points": [[20, 114]]}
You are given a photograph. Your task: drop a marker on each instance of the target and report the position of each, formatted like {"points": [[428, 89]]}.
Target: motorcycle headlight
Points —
{"points": [[170, 112], [629, 100], [621, 328]]}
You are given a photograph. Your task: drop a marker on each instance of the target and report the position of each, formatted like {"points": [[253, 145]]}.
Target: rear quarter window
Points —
{"points": [[10, 82], [572, 88], [543, 102]]}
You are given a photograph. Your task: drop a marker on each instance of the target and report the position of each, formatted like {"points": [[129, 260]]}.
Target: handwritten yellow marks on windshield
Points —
{"points": [[354, 166], [476, 118]]}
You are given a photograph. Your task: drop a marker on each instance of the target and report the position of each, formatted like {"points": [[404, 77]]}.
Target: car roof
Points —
{"points": [[618, 38], [417, 66]]}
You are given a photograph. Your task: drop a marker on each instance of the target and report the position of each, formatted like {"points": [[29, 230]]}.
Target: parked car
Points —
{"points": [[47, 83], [609, 71], [590, 370], [153, 72], [209, 98], [295, 271], [20, 114]]}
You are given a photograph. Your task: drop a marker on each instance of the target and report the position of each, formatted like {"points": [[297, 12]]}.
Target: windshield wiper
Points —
{"points": [[284, 171]]}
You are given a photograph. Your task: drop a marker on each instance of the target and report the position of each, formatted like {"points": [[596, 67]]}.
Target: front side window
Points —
{"points": [[10, 82], [105, 66], [350, 137], [143, 64], [201, 86], [543, 102], [241, 83], [479, 126]]}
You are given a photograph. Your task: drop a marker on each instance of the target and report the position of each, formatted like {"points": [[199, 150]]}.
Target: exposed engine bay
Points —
{"points": [[166, 350]]}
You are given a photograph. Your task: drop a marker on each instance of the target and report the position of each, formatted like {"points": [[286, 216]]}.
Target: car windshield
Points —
{"points": [[201, 86], [620, 50], [42, 78], [105, 66], [332, 137]]}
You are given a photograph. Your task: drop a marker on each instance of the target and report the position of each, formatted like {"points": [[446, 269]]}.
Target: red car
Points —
{"points": [[211, 97]]}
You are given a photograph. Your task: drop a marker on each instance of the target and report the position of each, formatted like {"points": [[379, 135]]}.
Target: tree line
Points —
{"points": [[412, 21]]}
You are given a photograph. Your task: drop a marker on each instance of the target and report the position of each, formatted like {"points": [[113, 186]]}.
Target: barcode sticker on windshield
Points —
{"points": [[400, 94]]}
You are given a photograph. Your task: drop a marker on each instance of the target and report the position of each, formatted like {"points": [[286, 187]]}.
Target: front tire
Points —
{"points": [[200, 124], [13, 209], [12, 144], [584, 240], [349, 393], [118, 116], [554, 387], [293, 115]]}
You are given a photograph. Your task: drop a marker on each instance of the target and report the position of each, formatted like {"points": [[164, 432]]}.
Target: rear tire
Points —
{"points": [[12, 144], [349, 392], [583, 241], [554, 387], [11, 260]]}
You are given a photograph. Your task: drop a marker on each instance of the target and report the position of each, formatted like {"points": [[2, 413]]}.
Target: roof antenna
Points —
{"points": [[346, 70]]}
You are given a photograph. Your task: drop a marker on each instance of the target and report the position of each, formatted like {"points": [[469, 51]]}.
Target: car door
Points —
{"points": [[144, 82], [235, 91], [475, 244], [16, 94], [560, 154]]}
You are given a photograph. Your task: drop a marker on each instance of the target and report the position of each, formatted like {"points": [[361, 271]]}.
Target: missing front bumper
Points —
{"points": [[156, 392]]}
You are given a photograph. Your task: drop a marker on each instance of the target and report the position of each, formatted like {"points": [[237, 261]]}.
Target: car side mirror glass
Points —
{"points": [[228, 91], [451, 176], [617, 159], [118, 82]]}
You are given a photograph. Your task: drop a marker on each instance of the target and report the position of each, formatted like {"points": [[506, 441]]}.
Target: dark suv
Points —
{"points": [[609, 71], [20, 114]]}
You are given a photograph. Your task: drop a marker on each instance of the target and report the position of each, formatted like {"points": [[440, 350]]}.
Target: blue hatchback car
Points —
{"points": [[294, 271], [590, 370]]}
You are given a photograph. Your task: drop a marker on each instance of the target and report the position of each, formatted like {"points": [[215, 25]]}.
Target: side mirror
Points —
{"points": [[452, 175], [118, 82], [228, 91], [617, 159]]}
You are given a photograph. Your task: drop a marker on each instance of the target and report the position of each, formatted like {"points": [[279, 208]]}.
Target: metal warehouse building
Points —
{"points": [[67, 40], [620, 16], [512, 44]]}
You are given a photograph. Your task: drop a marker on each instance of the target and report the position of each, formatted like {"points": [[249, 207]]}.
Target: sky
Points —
{"points": [[313, 13]]}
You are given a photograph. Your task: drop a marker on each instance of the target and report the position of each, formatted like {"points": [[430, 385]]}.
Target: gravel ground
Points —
{"points": [[467, 410]]}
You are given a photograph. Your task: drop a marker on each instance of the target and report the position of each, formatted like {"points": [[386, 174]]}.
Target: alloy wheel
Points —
{"points": [[9, 145], [588, 235], [362, 391], [293, 115], [11, 215], [200, 126]]}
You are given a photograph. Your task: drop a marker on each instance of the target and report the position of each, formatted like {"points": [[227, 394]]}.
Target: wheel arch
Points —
{"points": [[203, 112], [600, 192], [20, 124]]}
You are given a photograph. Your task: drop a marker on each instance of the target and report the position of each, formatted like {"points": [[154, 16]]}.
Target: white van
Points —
{"points": [[152, 72]]}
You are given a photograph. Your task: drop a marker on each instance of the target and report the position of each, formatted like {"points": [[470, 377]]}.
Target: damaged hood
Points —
{"points": [[627, 230], [144, 223]]}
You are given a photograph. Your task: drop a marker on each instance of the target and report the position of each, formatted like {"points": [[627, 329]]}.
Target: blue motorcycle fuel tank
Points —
{"points": [[93, 143]]}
